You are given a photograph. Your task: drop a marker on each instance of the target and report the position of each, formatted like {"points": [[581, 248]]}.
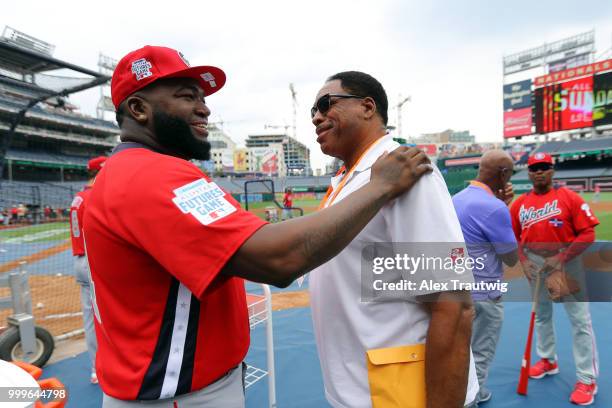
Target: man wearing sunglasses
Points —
{"points": [[350, 116], [554, 226]]}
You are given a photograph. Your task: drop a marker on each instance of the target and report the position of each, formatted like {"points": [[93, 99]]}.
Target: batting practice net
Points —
{"points": [[35, 237]]}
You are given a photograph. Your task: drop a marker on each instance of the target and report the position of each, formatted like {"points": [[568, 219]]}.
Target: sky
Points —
{"points": [[445, 54]]}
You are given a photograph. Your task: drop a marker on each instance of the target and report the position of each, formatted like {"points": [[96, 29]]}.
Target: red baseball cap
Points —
{"points": [[148, 64], [540, 158], [96, 163]]}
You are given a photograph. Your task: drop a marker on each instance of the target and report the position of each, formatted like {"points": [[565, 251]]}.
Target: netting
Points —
{"points": [[58, 82], [34, 236]]}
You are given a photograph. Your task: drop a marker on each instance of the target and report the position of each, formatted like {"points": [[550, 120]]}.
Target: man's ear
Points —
{"points": [[369, 107], [138, 109]]}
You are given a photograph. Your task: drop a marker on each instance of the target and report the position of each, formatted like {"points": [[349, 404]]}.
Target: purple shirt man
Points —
{"points": [[487, 230]]}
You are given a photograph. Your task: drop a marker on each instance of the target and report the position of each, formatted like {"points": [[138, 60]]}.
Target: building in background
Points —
{"points": [[222, 149], [296, 156], [268, 160], [447, 136]]}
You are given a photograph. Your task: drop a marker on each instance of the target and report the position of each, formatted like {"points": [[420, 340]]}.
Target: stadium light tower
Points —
{"points": [[399, 113], [106, 66], [294, 98]]}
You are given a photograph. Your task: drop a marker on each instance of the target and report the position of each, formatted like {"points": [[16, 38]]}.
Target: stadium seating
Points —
{"points": [[580, 145], [13, 104], [37, 194], [567, 174], [46, 157], [236, 185]]}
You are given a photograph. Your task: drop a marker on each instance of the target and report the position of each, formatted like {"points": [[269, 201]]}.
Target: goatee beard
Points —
{"points": [[175, 134]]}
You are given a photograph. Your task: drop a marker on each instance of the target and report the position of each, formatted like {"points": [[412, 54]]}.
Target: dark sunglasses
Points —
{"points": [[325, 102], [540, 166]]}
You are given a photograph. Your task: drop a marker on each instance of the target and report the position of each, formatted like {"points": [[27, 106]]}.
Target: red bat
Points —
{"points": [[526, 363]]}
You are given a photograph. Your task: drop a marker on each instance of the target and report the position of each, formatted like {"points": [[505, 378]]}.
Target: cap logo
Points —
{"points": [[539, 156], [141, 68], [184, 59], [208, 77]]}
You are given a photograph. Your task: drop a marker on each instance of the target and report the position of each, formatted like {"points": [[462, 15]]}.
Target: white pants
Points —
{"points": [[81, 268], [583, 345], [227, 392]]}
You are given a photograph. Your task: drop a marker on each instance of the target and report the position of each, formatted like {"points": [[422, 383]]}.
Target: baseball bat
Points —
{"points": [[526, 363]]}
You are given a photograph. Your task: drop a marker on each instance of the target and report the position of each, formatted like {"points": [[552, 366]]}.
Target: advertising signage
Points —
{"points": [[517, 95], [572, 73], [602, 99], [564, 106], [517, 123]]}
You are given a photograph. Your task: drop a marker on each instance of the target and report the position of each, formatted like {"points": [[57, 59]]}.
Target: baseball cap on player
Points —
{"points": [[148, 64], [540, 158], [96, 163]]}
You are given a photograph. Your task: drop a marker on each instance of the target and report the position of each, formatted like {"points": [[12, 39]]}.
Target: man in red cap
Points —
{"points": [[168, 248], [554, 226], [81, 267]]}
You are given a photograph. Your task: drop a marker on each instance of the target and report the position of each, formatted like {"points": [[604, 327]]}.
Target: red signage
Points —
{"points": [[565, 106], [573, 73], [462, 162], [429, 149], [517, 122]]}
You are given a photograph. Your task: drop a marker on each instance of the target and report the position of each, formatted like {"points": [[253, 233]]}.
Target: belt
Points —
{"points": [[545, 253]]}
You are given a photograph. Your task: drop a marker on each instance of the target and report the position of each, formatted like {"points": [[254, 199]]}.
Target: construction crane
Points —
{"points": [[278, 127], [294, 98], [399, 113]]}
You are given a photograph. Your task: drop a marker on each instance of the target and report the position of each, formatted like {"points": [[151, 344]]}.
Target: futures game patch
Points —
{"points": [[204, 200]]}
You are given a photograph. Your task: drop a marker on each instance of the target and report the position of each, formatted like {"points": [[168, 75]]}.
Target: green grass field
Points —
{"points": [[60, 230], [53, 231], [603, 230], [305, 204], [603, 197]]}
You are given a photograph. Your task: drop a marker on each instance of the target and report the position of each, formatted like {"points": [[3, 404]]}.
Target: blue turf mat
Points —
{"points": [[299, 383]]}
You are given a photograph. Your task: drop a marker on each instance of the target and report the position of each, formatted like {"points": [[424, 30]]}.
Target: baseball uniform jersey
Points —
{"points": [[158, 231], [77, 209], [553, 218]]}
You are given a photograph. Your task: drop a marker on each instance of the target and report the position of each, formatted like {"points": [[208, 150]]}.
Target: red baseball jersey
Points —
{"points": [[77, 209], [158, 232], [555, 217]]}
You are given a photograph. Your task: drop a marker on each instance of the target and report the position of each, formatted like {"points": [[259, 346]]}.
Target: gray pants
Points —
{"points": [[81, 268], [583, 345], [227, 392], [486, 328]]}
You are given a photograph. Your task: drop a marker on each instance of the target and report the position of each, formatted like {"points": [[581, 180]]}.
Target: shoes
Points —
{"points": [[583, 394], [542, 368], [93, 379]]}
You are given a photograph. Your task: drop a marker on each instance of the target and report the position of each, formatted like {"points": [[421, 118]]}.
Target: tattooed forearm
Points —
{"points": [[318, 246]]}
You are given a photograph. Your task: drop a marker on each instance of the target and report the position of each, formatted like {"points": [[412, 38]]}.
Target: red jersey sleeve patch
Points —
{"points": [[582, 215]]}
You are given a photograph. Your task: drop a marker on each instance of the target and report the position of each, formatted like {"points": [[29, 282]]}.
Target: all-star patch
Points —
{"points": [[141, 68], [210, 78], [205, 201]]}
